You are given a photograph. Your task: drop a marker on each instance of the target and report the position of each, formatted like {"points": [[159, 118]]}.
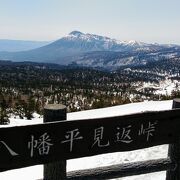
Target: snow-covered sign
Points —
{"points": [[42, 143]]}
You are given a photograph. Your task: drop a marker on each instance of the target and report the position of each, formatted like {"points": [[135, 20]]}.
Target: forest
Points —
{"points": [[26, 88]]}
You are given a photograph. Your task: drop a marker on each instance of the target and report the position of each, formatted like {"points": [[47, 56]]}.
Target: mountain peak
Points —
{"points": [[75, 33]]}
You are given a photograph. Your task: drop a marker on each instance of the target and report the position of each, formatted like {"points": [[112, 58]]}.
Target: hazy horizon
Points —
{"points": [[155, 21]]}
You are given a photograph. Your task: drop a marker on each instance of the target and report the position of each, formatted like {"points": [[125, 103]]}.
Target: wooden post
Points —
{"points": [[55, 170], [174, 152]]}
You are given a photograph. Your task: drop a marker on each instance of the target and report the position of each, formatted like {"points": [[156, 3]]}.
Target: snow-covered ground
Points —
{"points": [[167, 86], [36, 172], [162, 88]]}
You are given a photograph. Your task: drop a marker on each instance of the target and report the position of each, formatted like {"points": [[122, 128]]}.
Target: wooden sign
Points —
{"points": [[39, 144]]}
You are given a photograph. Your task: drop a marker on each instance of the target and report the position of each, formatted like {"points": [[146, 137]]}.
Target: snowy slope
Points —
{"points": [[36, 172], [103, 42]]}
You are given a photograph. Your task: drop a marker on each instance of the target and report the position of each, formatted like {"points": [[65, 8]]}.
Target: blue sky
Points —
{"points": [[141, 20]]}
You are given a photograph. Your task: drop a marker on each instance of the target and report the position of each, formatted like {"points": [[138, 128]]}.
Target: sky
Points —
{"points": [[46, 20]]}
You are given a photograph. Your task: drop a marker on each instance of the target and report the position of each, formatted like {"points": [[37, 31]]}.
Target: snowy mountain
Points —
{"points": [[91, 50], [92, 42], [36, 172]]}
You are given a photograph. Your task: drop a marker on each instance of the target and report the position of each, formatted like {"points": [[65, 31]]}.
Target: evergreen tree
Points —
{"points": [[4, 119]]}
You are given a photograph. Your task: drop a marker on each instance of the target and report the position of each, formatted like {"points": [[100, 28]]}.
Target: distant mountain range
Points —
{"points": [[20, 45], [91, 50]]}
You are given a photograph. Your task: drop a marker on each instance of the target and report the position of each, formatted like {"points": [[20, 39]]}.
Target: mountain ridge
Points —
{"points": [[80, 48]]}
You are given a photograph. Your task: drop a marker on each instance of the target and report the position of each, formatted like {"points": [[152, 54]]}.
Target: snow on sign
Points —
{"points": [[43, 143]]}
